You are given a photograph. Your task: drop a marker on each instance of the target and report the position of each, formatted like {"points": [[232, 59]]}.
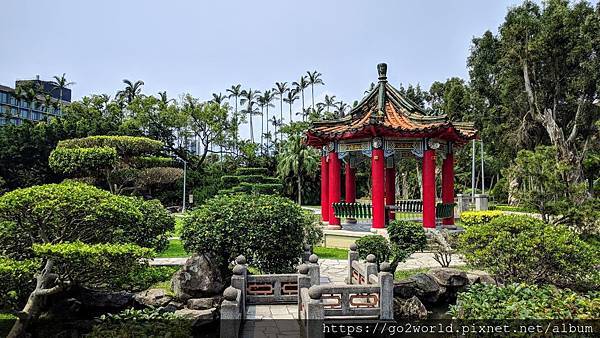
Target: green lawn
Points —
{"points": [[332, 253], [175, 249]]}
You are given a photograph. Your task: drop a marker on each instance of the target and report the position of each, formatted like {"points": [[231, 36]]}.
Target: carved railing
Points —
{"points": [[344, 302], [248, 289], [358, 272]]}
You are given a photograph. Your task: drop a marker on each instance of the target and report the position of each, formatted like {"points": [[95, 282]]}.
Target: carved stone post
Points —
{"points": [[238, 281], [370, 267], [352, 256], [481, 202], [231, 313], [386, 292], [303, 283], [315, 314], [313, 270]]}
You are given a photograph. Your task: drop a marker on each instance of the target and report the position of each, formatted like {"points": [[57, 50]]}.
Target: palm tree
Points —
{"points": [[292, 95], [341, 108], [31, 96], [235, 91], [218, 98], [314, 78], [261, 103], [131, 91], [249, 98], [164, 99], [48, 102], [280, 89], [295, 161], [329, 102], [268, 97], [300, 86], [61, 83]]}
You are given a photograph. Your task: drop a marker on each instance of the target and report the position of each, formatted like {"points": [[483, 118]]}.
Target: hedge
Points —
{"points": [[470, 218], [229, 181], [522, 301], [124, 145], [251, 171], [69, 161]]}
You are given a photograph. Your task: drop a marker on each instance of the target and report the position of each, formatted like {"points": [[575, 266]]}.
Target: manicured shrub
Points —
{"points": [[470, 218], [376, 245], [268, 230], [405, 239], [96, 265], [125, 145], [252, 171], [73, 211], [313, 233], [525, 249], [83, 161], [229, 181], [16, 281], [521, 301]]}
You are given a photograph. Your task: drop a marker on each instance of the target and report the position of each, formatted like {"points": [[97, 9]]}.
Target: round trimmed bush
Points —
{"points": [[268, 230], [73, 211], [525, 249], [376, 245]]}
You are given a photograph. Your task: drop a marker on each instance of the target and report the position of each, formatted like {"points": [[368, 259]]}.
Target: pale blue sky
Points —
{"points": [[203, 47]]}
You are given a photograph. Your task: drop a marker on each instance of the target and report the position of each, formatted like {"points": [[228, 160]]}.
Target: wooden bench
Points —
{"points": [[404, 209]]}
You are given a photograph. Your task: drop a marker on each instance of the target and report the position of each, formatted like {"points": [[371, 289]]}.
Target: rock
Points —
{"points": [[411, 308], [477, 276], [198, 278], [449, 277], [152, 297], [203, 303], [422, 285], [199, 317], [172, 307], [93, 299]]}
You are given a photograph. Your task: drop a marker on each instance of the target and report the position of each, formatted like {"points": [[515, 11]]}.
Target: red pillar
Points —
{"points": [[377, 195], [429, 188], [334, 186], [350, 181], [390, 188], [448, 184], [324, 189]]}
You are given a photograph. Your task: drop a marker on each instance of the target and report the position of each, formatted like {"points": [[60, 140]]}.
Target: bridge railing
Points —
{"points": [[248, 289], [345, 302], [359, 272]]}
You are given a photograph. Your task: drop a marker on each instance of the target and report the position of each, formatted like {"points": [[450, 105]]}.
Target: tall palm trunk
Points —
{"points": [[268, 128], [235, 123], [251, 129], [312, 93], [303, 116], [299, 189], [262, 127], [291, 119]]}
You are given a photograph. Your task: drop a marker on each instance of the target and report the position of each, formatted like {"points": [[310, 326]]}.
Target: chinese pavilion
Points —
{"points": [[386, 126]]}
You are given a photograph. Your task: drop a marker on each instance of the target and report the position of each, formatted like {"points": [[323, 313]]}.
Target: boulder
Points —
{"points": [[198, 317], [198, 278], [203, 303], [171, 307], [449, 277], [477, 276], [422, 285], [152, 297], [106, 300], [411, 308]]}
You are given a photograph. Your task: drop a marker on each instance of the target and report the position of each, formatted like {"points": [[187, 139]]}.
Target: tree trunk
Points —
{"points": [[299, 189], [251, 129], [34, 302]]}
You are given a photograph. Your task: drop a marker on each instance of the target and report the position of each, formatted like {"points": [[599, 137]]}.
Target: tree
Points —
{"points": [[61, 83], [268, 97], [550, 54], [235, 91], [314, 78], [66, 226], [218, 98], [280, 89], [329, 102], [296, 160], [341, 108], [292, 95], [249, 98], [299, 87], [131, 91]]}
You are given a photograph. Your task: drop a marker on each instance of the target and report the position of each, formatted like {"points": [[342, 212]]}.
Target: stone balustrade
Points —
{"points": [[359, 272]]}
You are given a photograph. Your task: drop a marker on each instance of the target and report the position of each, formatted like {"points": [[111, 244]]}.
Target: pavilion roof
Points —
{"points": [[385, 112]]}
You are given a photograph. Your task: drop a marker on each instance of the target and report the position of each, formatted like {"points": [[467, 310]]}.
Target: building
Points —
{"points": [[383, 128], [14, 109]]}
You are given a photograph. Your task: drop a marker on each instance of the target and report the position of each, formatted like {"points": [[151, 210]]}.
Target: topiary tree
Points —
{"points": [[70, 228], [267, 229], [251, 180], [526, 249], [405, 238], [122, 163]]}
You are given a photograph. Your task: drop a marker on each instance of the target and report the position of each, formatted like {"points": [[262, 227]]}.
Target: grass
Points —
{"points": [[165, 285], [174, 250], [332, 253]]}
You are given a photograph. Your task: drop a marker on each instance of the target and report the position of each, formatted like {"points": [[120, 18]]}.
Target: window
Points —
{"points": [[3, 97], [24, 113]]}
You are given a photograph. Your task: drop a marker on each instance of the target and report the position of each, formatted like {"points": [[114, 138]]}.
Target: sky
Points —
{"points": [[204, 47]]}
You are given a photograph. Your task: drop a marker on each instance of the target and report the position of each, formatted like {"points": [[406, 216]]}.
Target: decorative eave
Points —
{"points": [[385, 112]]}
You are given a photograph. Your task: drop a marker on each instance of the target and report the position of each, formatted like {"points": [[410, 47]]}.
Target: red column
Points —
{"points": [[448, 184], [324, 189], [377, 195], [390, 188], [429, 188], [350, 182], [334, 186]]}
